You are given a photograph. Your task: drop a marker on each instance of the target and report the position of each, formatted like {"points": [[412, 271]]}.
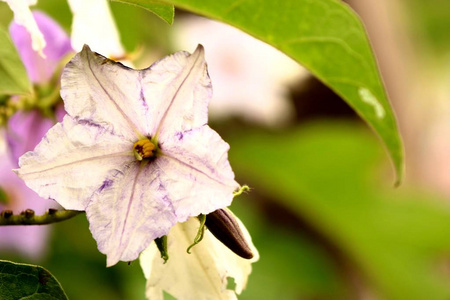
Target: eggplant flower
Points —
{"points": [[201, 275], [134, 150]]}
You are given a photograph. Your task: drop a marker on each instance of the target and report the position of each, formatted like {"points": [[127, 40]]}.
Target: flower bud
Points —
{"points": [[161, 243], [224, 227]]}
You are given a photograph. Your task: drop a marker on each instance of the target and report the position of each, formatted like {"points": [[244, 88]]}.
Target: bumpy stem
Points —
{"points": [[27, 217]]}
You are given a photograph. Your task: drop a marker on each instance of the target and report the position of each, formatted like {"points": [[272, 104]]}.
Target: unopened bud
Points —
{"points": [[7, 214], [222, 224], [28, 213]]}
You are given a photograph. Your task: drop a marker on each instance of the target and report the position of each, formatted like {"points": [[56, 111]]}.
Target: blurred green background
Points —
{"points": [[323, 211]]}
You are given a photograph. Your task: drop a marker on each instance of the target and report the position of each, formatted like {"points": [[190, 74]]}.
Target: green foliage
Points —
{"points": [[165, 11], [21, 281], [429, 25], [327, 38], [80, 268], [329, 174], [291, 264], [13, 76]]}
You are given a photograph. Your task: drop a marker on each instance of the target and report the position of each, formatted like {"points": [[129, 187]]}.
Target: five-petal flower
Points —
{"points": [[89, 161]]}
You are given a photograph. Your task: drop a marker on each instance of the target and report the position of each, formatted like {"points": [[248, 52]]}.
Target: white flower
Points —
{"points": [[93, 25], [201, 275], [251, 78], [134, 150], [23, 16]]}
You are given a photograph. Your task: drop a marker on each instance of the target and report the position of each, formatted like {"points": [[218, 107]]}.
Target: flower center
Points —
{"points": [[143, 149]]}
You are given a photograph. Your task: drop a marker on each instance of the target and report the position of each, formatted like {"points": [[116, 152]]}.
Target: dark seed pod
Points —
{"points": [[224, 227]]}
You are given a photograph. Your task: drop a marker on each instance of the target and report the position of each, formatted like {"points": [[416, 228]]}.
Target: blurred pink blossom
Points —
{"points": [[24, 131], [250, 78]]}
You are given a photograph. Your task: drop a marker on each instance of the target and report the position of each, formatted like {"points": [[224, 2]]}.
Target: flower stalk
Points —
{"points": [[27, 217]]}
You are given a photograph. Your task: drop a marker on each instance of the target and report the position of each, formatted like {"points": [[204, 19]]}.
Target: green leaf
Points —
{"points": [[162, 10], [326, 37], [330, 174], [13, 76], [22, 281]]}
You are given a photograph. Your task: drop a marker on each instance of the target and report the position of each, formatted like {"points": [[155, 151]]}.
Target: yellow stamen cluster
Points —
{"points": [[143, 149]]}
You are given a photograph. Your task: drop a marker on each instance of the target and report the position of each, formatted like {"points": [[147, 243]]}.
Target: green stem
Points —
{"points": [[200, 233], [27, 217]]}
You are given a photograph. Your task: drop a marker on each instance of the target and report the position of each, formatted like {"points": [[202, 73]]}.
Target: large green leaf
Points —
{"points": [[21, 281], [13, 76], [326, 37], [162, 10], [330, 175]]}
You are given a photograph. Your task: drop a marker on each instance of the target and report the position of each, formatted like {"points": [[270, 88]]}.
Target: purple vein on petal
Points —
{"points": [[194, 168], [124, 115], [126, 153], [175, 95]]}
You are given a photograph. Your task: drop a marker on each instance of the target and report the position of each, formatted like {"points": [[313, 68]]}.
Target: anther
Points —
{"points": [[143, 149]]}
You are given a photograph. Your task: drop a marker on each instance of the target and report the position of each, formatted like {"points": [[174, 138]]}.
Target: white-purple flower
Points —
{"points": [[134, 151]]}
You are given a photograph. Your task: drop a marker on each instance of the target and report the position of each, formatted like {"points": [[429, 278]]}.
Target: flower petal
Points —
{"points": [[106, 93], [93, 24], [41, 69], [195, 166], [130, 211], [201, 275], [72, 161], [25, 131], [180, 89], [23, 16]]}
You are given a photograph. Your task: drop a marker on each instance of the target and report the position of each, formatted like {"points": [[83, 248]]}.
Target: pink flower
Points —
{"points": [[25, 130]]}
